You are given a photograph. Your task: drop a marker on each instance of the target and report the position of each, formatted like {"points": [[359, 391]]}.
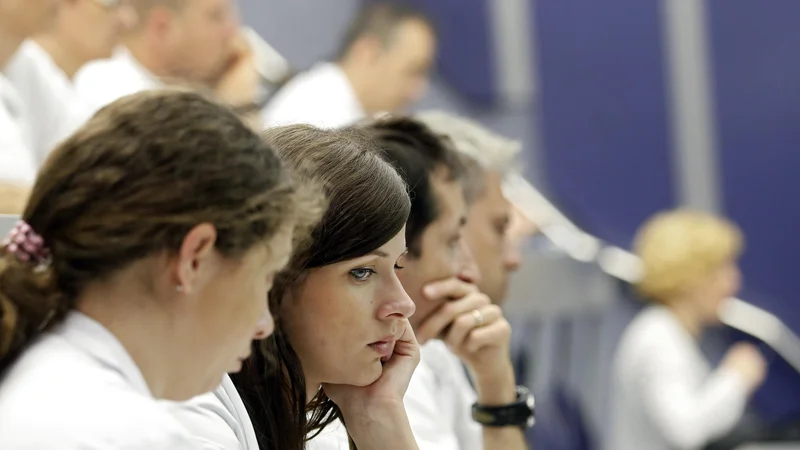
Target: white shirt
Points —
{"points": [[438, 403], [53, 107], [103, 81], [17, 159], [664, 394], [218, 420], [76, 388], [323, 97]]}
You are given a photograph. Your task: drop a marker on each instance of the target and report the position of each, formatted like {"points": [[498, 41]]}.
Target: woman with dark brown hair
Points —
{"points": [[139, 271], [343, 346]]}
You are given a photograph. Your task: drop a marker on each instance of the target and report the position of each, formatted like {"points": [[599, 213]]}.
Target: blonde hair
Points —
{"points": [[680, 248]]}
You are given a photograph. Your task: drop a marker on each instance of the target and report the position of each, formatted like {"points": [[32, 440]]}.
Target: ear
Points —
{"points": [[196, 257], [160, 20], [368, 49]]}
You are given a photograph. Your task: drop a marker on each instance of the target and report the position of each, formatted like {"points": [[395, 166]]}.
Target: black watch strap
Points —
{"points": [[519, 414]]}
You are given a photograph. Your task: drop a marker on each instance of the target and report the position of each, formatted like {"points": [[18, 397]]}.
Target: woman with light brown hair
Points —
{"points": [[139, 271], [666, 395]]}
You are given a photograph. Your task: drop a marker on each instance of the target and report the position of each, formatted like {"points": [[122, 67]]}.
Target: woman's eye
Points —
{"points": [[362, 274], [397, 266]]}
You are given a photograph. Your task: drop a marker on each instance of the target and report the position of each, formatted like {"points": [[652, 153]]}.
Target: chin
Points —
{"points": [[368, 375]]}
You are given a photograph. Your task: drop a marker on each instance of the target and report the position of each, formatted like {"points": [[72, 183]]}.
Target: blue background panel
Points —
{"points": [[605, 131], [757, 94]]}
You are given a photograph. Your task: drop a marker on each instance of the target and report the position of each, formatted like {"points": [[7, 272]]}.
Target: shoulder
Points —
{"points": [[103, 81], [654, 334], [212, 419], [333, 437], [55, 397], [318, 97]]}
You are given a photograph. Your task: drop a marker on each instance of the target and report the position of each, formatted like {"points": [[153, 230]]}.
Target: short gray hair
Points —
{"points": [[490, 150]]}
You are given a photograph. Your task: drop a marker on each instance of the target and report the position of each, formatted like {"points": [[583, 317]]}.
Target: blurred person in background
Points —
{"points": [[382, 66], [192, 42], [19, 20], [455, 322], [665, 394], [43, 68]]}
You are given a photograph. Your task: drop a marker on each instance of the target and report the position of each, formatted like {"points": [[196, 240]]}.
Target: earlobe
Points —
{"points": [[195, 257]]}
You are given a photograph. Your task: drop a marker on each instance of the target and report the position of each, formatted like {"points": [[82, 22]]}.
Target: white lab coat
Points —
{"points": [[664, 394], [53, 107], [438, 403], [17, 159], [323, 97], [103, 81], [218, 420], [77, 388]]}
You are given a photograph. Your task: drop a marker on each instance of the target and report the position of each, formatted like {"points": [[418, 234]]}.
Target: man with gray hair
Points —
{"points": [[495, 227]]}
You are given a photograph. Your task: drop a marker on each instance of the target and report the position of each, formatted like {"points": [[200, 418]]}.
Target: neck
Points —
{"points": [[357, 81], [122, 309], [686, 315], [66, 60], [9, 43], [312, 387]]}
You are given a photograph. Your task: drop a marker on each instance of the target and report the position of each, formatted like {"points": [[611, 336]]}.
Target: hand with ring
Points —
{"points": [[473, 328]]}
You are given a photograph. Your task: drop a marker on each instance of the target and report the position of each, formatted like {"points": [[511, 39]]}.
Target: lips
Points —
{"points": [[385, 347]]}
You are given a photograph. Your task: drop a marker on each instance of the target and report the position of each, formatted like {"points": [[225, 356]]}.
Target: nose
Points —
{"points": [[512, 254], [467, 267], [265, 326], [399, 305]]}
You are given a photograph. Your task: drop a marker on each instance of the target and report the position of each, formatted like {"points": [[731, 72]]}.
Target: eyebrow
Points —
{"points": [[379, 253]]}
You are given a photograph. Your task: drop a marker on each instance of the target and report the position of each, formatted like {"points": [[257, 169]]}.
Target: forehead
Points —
{"points": [[195, 7], [492, 200], [413, 37]]}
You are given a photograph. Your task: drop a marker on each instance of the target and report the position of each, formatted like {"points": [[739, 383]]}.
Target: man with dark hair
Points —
{"points": [[382, 66], [456, 324]]}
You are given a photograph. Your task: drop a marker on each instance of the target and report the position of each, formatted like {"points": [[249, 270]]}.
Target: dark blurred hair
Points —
{"points": [[380, 19], [416, 153], [368, 205], [131, 183]]}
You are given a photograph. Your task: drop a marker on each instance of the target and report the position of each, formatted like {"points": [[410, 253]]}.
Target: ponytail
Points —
{"points": [[29, 300]]}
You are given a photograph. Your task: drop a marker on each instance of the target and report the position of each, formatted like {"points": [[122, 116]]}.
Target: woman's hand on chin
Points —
{"points": [[387, 390], [374, 415]]}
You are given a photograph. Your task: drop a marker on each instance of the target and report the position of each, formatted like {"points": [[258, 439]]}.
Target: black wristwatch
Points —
{"points": [[519, 414]]}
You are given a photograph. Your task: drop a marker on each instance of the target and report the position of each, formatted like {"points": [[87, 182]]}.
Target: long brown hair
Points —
{"points": [[132, 183], [368, 204]]}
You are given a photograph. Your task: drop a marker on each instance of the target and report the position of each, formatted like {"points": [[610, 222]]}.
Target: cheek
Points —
{"points": [[321, 319], [253, 297]]}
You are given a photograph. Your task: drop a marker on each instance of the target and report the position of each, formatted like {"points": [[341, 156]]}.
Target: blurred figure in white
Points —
{"points": [[665, 394], [192, 42], [382, 66], [43, 68], [19, 20]]}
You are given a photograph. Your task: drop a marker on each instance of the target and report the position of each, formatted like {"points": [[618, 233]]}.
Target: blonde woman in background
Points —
{"points": [[665, 393]]}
